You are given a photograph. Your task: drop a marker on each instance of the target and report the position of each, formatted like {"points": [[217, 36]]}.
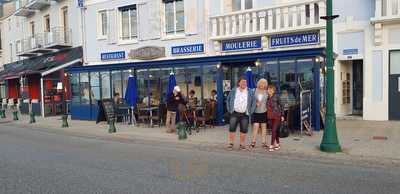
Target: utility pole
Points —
{"points": [[330, 142]]}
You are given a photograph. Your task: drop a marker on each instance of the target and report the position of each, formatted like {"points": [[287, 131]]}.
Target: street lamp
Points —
{"points": [[330, 142]]}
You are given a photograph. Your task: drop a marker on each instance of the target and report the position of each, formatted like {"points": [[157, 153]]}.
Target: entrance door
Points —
{"points": [[358, 87], [394, 86]]}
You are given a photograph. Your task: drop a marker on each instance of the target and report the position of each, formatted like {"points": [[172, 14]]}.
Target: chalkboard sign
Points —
{"points": [[305, 111], [106, 110]]}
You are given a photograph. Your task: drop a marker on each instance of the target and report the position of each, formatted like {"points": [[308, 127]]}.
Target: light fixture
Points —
{"points": [[65, 74], [218, 65], [257, 63], [59, 86]]}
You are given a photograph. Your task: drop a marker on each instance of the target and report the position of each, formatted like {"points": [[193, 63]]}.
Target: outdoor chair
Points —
{"points": [[142, 115]]}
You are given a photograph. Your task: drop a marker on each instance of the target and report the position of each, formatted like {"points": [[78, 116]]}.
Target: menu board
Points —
{"points": [[106, 110]]}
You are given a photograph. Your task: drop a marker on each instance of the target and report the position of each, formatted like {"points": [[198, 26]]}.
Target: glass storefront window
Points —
{"points": [[75, 91], [116, 81], [2, 90], [105, 85], [193, 77], [95, 86], [305, 73], [125, 77], [141, 81], [288, 76], [181, 80], [210, 74], [84, 88]]}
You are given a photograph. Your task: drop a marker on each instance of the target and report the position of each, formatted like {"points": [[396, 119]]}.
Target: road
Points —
{"points": [[35, 161]]}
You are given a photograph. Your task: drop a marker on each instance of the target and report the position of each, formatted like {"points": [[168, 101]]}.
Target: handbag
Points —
{"points": [[283, 130]]}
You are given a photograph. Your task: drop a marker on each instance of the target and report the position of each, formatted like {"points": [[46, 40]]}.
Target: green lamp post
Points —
{"points": [[330, 142]]}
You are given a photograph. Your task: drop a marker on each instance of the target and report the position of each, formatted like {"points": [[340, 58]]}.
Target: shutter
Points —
{"points": [[112, 28], [191, 16], [149, 20]]}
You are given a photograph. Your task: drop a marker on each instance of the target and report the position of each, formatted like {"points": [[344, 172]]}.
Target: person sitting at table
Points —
{"points": [[175, 99], [192, 99], [213, 96], [117, 98], [149, 99]]}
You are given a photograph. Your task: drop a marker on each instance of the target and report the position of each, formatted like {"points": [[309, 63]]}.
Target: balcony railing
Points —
{"points": [[57, 38], [304, 15], [22, 10], [37, 4], [387, 9]]}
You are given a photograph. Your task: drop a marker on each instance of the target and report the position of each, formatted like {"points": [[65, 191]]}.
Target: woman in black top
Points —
{"points": [[173, 102]]}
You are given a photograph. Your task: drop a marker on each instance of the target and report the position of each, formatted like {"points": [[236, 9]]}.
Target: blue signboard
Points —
{"points": [[187, 49], [350, 51], [81, 3], [286, 40], [242, 44], [113, 55]]}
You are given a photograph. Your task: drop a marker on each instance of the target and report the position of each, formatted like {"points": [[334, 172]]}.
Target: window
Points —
{"points": [[345, 87], [95, 87], [46, 25], [174, 17], [102, 24], [128, 23], [32, 28], [75, 91], [105, 85], [238, 5], [84, 88]]}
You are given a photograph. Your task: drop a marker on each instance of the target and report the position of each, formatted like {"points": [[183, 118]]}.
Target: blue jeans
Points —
{"points": [[239, 119]]}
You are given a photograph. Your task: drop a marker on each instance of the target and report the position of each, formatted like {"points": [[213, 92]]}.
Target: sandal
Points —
{"points": [[271, 148], [230, 146], [252, 145], [242, 147], [264, 145], [277, 147]]}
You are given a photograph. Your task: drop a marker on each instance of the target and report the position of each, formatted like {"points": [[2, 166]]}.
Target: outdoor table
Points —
{"points": [[150, 109]]}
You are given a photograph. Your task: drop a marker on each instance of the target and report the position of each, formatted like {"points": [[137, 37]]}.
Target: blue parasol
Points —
{"points": [[131, 92], [249, 77], [171, 83]]}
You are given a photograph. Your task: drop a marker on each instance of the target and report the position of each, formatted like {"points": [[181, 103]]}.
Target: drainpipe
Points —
{"points": [[42, 96]]}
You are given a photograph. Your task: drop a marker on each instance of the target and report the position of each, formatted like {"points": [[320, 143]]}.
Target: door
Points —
{"points": [[394, 85], [358, 87]]}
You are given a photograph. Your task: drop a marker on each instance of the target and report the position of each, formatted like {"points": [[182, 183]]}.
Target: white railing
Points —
{"points": [[284, 17], [56, 36], [387, 8]]}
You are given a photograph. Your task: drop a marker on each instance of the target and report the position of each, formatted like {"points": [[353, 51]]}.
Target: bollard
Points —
{"points": [[64, 119], [112, 128], [181, 127], [15, 115], [3, 113], [32, 118]]}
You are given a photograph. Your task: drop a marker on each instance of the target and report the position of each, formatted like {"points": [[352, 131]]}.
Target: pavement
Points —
{"points": [[374, 141], [40, 161]]}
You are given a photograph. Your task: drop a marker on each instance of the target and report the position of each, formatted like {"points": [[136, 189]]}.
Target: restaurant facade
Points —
{"points": [[204, 54]]}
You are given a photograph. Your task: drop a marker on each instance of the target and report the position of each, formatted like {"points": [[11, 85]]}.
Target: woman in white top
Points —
{"points": [[259, 116]]}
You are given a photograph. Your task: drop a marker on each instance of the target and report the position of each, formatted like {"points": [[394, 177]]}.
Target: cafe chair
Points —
{"points": [[142, 115]]}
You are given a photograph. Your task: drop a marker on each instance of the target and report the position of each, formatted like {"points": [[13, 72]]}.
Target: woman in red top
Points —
{"points": [[274, 116]]}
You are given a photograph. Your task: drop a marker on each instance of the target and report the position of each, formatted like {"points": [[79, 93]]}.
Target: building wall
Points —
{"points": [[150, 28], [17, 27]]}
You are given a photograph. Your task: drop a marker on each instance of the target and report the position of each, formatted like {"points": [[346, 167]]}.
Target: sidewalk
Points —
{"points": [[359, 139]]}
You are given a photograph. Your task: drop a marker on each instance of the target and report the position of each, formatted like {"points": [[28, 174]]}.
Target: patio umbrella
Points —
{"points": [[171, 83], [249, 77], [131, 94]]}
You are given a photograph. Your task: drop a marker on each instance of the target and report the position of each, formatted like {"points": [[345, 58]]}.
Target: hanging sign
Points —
{"points": [[287, 40], [187, 49], [242, 44]]}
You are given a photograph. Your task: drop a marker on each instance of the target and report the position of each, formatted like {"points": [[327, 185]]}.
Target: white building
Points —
{"points": [[40, 38]]}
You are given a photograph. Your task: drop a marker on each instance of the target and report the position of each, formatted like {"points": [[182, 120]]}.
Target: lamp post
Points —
{"points": [[330, 142]]}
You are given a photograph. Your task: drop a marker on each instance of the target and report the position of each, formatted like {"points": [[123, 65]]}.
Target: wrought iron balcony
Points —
{"points": [[291, 17], [37, 4], [22, 10], [56, 39]]}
